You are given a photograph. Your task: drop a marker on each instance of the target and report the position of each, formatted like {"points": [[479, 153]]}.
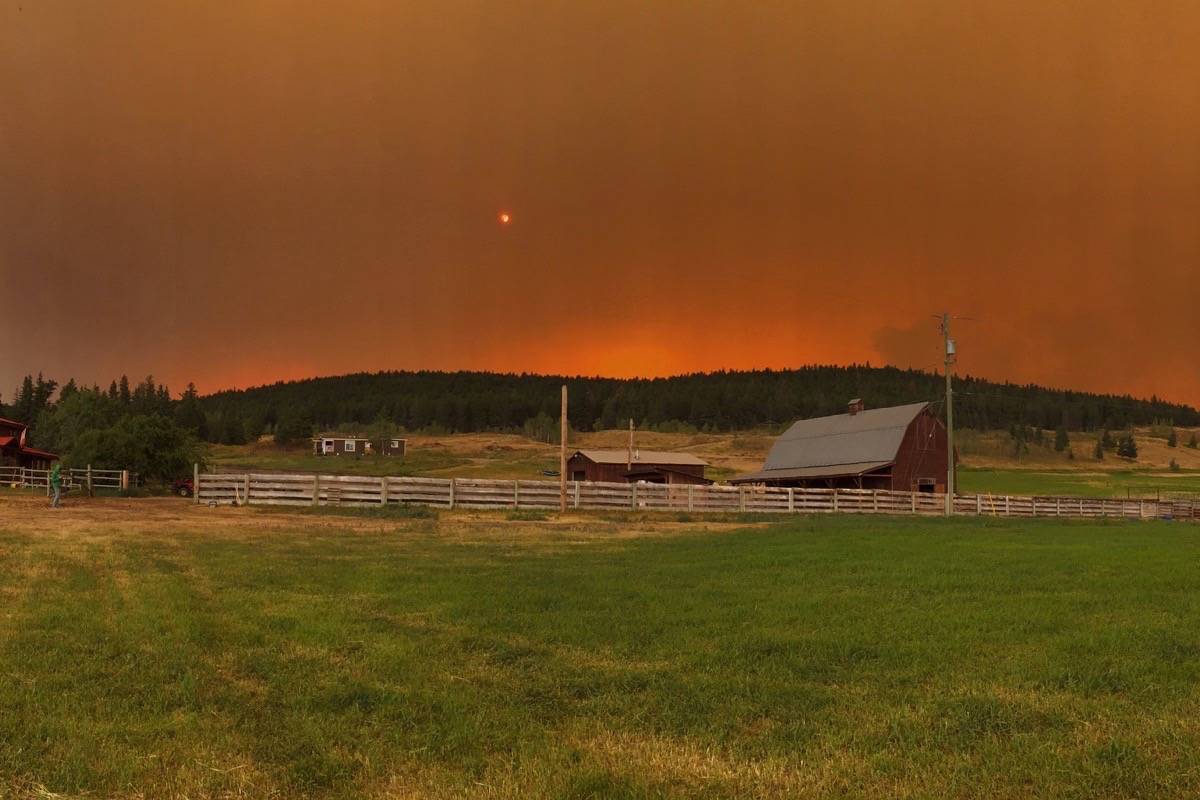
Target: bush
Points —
{"points": [[1172, 439], [1174, 465], [1192, 442], [154, 447]]}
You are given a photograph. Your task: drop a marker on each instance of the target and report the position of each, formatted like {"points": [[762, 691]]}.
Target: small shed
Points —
{"points": [[625, 466], [342, 444], [16, 452], [902, 448]]}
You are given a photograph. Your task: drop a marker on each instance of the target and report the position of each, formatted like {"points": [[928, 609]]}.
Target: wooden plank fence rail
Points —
{"points": [[85, 479], [286, 489]]}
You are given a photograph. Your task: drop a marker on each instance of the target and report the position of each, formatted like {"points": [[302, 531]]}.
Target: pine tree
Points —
{"points": [[1192, 442], [1127, 447], [123, 393], [1099, 451], [1172, 439], [1061, 440]]}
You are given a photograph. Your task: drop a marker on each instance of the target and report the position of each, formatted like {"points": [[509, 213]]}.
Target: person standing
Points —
{"points": [[56, 484]]}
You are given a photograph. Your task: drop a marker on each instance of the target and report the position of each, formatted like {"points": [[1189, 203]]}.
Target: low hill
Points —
{"points": [[709, 402]]}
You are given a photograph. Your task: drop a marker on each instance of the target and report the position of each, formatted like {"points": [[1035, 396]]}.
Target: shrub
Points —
{"points": [[153, 446]]}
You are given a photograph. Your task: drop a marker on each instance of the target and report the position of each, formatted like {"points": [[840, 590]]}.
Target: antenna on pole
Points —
{"points": [[951, 353]]}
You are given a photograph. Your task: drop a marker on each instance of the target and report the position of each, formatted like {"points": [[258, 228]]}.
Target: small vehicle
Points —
{"points": [[183, 487]]}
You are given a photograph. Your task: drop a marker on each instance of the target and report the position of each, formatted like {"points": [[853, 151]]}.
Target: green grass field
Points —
{"points": [[156, 649], [1079, 483]]}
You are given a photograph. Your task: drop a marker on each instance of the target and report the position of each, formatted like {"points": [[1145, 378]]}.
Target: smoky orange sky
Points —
{"points": [[235, 193]]}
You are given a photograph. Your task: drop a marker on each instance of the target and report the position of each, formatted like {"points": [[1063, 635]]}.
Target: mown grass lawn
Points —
{"points": [[165, 650]]}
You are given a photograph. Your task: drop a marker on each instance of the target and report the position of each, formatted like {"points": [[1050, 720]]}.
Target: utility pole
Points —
{"points": [[950, 357], [629, 452], [562, 456]]}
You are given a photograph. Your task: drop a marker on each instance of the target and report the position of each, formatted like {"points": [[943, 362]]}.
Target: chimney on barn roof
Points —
{"points": [[854, 406]]}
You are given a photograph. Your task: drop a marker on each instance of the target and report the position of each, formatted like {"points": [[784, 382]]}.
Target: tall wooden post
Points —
{"points": [[629, 452], [195, 482], [562, 455]]}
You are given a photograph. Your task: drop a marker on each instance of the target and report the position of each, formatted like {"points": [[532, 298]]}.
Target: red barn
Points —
{"points": [[903, 449], [14, 452]]}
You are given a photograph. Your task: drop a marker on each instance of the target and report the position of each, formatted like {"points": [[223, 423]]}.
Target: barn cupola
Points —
{"points": [[855, 406]]}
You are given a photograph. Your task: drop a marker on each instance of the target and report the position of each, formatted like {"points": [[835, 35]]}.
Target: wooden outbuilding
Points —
{"points": [[341, 444], [903, 448], [624, 466], [14, 450]]}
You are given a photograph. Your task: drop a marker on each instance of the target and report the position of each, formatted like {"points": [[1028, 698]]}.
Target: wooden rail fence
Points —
{"points": [[289, 489], [76, 479]]}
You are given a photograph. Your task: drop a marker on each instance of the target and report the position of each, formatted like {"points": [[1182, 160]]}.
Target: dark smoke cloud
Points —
{"points": [[235, 193]]}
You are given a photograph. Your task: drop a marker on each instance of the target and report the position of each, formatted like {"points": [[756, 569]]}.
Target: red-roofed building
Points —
{"points": [[14, 452]]}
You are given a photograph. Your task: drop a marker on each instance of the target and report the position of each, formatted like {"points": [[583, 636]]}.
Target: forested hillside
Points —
{"points": [[475, 401]]}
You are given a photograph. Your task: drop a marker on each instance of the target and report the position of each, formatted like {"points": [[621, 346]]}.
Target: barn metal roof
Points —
{"points": [[642, 457], [839, 445], [838, 471], [872, 435]]}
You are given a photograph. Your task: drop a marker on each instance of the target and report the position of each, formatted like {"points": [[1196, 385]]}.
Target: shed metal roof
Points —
{"points": [[642, 457]]}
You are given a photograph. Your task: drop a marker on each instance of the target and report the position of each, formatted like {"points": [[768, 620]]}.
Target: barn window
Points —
{"points": [[349, 446], [395, 443]]}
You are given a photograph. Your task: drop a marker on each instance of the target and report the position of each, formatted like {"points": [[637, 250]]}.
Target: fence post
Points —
{"points": [[741, 498], [835, 502], [316, 490], [691, 496], [979, 505], [875, 501], [633, 497], [1058, 506], [791, 500], [383, 491], [124, 480], [1141, 508], [195, 482], [247, 485], [913, 497], [452, 493], [91, 489], [576, 494], [516, 494]]}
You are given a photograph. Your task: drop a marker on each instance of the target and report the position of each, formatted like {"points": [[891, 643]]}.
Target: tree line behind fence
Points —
{"points": [[310, 490]]}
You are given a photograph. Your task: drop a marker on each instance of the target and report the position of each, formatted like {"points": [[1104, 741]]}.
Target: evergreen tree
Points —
{"points": [[1192, 442], [123, 393], [1061, 440], [1172, 439], [1127, 447], [1099, 451], [189, 415]]}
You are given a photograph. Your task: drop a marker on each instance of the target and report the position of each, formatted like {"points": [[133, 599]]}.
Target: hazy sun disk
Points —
{"points": [[504, 218]]}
